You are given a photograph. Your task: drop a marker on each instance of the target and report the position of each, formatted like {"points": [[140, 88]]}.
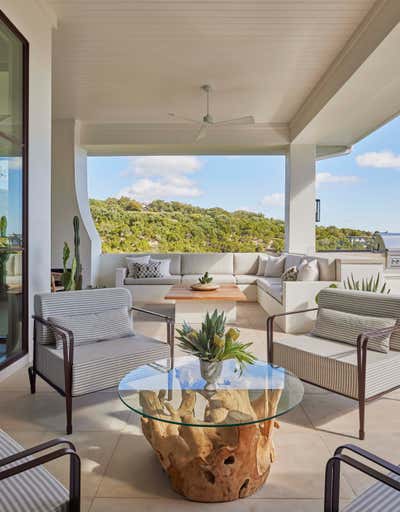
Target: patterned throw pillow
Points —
{"points": [[290, 274], [143, 270]]}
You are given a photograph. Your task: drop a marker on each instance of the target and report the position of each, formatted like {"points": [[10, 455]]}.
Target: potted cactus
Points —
{"points": [[72, 277], [212, 344], [205, 284], [205, 279], [4, 255]]}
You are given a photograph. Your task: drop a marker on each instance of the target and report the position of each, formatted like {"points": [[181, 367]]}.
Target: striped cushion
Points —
{"points": [[106, 325], [77, 303], [363, 303], [333, 365], [35, 490], [100, 365], [377, 498], [346, 327]]}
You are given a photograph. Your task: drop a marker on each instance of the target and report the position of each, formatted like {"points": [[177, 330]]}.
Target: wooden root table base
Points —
{"points": [[213, 464]]}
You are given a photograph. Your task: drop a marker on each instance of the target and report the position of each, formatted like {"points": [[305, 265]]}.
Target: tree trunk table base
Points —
{"points": [[212, 463]]}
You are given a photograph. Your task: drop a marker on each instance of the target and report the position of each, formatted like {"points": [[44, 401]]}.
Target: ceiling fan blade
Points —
{"points": [[187, 119], [202, 133], [237, 121]]}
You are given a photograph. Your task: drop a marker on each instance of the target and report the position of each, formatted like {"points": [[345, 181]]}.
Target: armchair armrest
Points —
{"points": [[25, 465], [170, 328], [332, 473], [270, 328], [66, 335], [120, 275]]}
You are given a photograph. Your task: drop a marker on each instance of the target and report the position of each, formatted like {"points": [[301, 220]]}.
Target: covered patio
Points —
{"points": [[100, 79]]}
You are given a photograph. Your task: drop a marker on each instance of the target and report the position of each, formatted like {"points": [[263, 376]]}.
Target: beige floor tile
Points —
{"points": [[182, 505], [298, 472], [46, 412], [19, 381], [333, 413], [134, 470]]}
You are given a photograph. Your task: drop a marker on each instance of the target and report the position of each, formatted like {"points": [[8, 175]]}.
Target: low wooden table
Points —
{"points": [[191, 306]]}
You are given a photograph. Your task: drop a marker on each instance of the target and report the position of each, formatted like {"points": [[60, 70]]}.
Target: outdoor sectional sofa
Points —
{"points": [[274, 295]]}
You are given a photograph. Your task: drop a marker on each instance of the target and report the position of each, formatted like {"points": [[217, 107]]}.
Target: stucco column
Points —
{"points": [[300, 199], [70, 197]]}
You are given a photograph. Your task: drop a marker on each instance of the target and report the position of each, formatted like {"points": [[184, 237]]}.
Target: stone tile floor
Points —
{"points": [[120, 472]]}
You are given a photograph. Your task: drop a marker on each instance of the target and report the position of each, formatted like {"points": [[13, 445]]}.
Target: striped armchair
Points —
{"points": [[354, 350], [26, 486], [84, 342], [384, 496]]}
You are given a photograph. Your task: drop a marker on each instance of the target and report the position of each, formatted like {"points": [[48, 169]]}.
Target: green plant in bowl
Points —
{"points": [[213, 343], [205, 279]]}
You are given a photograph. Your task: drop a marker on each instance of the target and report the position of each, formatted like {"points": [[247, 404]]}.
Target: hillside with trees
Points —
{"points": [[125, 225]]}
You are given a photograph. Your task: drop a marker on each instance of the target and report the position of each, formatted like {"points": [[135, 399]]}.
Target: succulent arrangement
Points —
{"points": [[372, 284], [205, 279], [211, 343], [72, 277]]}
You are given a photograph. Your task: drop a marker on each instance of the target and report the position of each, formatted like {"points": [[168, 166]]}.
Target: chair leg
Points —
{"points": [[68, 403], [361, 412], [32, 379]]}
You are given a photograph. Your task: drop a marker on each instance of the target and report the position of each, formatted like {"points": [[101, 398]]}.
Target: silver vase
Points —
{"points": [[211, 372]]}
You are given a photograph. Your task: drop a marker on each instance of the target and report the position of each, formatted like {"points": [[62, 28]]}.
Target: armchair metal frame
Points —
{"points": [[332, 473], [67, 337], [362, 346], [70, 451]]}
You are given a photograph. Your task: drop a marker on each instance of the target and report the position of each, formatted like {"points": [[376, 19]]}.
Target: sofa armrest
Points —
{"points": [[120, 275]]}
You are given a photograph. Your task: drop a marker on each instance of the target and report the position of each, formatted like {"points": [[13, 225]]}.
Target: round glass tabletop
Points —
{"points": [[217, 395]]}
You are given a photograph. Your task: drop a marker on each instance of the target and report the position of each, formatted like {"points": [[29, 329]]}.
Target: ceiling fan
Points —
{"points": [[208, 120]]}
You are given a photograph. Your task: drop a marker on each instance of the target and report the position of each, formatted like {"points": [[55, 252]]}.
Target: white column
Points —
{"points": [[300, 199], [70, 198]]}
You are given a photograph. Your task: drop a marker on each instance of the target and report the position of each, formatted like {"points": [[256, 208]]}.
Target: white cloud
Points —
{"points": [[379, 159], [327, 177], [162, 177], [276, 199]]}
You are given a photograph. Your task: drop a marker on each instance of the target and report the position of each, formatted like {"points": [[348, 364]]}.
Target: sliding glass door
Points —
{"points": [[13, 192]]}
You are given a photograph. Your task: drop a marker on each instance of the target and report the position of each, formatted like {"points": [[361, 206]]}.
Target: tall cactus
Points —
{"points": [[77, 243], [3, 255]]}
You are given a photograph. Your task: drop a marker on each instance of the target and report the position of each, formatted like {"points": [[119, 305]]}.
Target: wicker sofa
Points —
{"points": [[274, 295]]}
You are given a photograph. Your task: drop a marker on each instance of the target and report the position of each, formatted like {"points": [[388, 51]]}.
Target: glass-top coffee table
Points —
{"points": [[212, 434]]}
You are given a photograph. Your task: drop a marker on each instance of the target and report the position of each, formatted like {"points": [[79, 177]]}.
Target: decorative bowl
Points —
{"points": [[204, 287]]}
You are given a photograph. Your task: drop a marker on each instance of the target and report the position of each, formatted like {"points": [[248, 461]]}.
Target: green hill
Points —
{"points": [[125, 225]]}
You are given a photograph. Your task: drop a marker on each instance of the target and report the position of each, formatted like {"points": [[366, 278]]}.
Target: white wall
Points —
{"points": [[70, 198], [36, 25]]}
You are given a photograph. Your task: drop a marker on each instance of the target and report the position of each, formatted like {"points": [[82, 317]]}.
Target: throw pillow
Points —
{"points": [[164, 266], [342, 326], [143, 270], [274, 266], [130, 260], [290, 274], [308, 270], [110, 324], [262, 261]]}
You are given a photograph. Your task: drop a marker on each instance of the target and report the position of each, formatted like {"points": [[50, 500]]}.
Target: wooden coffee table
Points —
{"points": [[191, 306]]}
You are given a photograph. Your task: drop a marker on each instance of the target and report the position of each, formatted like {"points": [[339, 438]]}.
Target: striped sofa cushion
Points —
{"points": [[363, 303], [106, 325], [342, 326], [333, 365], [100, 365], [77, 303], [35, 490], [377, 498]]}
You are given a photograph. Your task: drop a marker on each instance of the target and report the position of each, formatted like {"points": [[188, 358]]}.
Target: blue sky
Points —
{"points": [[360, 190]]}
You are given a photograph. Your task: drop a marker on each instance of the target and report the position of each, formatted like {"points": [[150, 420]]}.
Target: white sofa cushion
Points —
{"points": [[175, 261], [131, 260], [308, 270], [293, 260], [262, 261], [153, 280], [275, 266], [189, 279], [246, 279], [272, 286], [245, 263], [213, 263], [165, 265]]}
